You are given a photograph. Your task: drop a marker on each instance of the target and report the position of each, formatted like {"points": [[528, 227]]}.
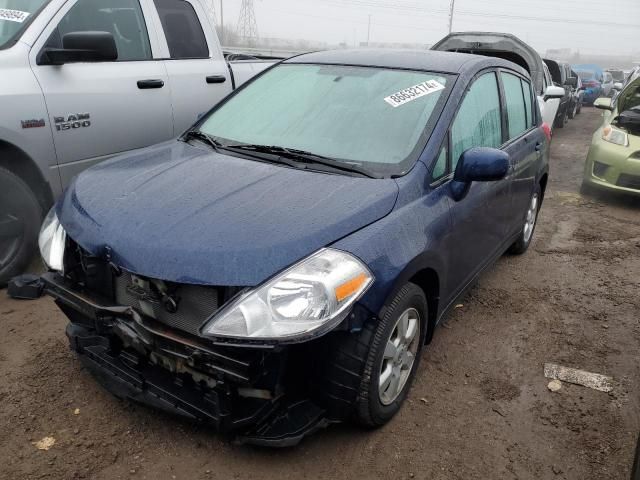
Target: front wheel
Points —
{"points": [[393, 357], [20, 218], [526, 235]]}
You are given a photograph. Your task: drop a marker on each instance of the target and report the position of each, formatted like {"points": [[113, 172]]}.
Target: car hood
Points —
{"points": [[629, 97], [183, 213]]}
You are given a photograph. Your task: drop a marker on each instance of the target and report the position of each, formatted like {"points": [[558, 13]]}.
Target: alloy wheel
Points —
{"points": [[532, 215], [399, 356]]}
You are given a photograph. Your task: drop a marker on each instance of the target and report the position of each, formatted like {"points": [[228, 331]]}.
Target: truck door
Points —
{"points": [[99, 109], [198, 73]]}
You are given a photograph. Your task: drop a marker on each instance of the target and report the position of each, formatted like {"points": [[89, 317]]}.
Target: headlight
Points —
{"points": [[309, 298], [613, 135], [52, 241]]}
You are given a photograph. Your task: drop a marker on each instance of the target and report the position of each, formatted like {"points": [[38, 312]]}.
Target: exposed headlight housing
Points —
{"points": [[306, 300], [614, 135], [52, 241]]}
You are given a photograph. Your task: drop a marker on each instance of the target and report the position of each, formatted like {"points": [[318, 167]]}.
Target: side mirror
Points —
{"points": [[571, 82], [603, 103], [553, 92], [82, 47], [618, 86], [478, 164]]}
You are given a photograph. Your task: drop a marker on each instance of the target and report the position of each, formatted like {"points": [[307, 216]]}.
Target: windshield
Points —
{"points": [[373, 118], [618, 75], [15, 15], [586, 74]]}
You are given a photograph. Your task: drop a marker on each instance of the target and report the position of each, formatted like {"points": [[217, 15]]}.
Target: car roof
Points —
{"points": [[435, 61]]}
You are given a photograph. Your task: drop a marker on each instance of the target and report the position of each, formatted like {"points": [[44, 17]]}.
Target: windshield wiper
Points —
{"points": [[304, 157], [200, 135]]}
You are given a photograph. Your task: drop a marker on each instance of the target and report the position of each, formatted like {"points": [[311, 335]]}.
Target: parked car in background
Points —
{"points": [[617, 75], [607, 84], [613, 162], [561, 77], [591, 77], [510, 47], [273, 275], [82, 80], [577, 93]]}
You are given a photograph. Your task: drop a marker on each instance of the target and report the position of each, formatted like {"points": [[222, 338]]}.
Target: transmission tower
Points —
{"points": [[211, 10], [247, 25]]}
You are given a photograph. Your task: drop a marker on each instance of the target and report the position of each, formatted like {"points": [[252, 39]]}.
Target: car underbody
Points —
{"points": [[145, 348]]}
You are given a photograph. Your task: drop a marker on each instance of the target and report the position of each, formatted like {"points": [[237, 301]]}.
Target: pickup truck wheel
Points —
{"points": [[393, 357], [574, 111], [20, 217], [526, 235]]}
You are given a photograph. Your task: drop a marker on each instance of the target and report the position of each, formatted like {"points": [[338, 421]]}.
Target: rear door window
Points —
{"points": [[528, 95], [478, 122], [515, 103], [182, 29]]}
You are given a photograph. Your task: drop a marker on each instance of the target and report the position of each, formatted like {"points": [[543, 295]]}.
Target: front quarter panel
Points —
{"points": [[412, 237]]}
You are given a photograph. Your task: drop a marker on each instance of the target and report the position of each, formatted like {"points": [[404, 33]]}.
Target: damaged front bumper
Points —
{"points": [[258, 393]]}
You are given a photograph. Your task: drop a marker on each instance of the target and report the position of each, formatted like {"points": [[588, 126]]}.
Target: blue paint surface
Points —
{"points": [[186, 214]]}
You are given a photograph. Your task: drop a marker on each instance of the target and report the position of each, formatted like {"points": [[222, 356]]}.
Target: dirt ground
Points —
{"points": [[480, 407]]}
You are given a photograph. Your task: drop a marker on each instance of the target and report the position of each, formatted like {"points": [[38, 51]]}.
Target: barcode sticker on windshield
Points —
{"points": [[13, 15], [410, 94]]}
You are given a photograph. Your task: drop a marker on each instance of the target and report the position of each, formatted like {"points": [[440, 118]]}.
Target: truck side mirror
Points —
{"points": [[553, 92], [81, 47]]}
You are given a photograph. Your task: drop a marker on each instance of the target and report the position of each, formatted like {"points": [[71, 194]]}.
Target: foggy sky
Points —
{"points": [[612, 26]]}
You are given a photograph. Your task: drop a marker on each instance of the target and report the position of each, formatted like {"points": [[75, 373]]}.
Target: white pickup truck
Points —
{"points": [[82, 80]]}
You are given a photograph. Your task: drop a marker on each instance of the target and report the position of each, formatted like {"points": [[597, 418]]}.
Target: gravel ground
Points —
{"points": [[479, 409]]}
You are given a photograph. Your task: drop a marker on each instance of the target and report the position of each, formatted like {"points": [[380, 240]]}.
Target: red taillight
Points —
{"points": [[547, 131]]}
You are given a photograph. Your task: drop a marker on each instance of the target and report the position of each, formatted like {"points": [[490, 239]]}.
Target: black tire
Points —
{"points": [[20, 218], [579, 108], [562, 121], [353, 376], [574, 111], [522, 244]]}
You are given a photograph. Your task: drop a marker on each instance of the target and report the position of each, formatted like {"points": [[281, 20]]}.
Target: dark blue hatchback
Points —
{"points": [[282, 264]]}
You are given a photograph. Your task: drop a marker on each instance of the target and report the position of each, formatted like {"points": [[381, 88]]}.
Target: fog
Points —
{"points": [[584, 26]]}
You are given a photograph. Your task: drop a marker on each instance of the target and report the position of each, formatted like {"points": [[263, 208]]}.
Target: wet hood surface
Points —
{"points": [[183, 213]]}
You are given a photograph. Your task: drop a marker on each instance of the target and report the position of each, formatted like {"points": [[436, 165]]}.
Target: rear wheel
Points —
{"points": [[20, 217], [526, 235]]}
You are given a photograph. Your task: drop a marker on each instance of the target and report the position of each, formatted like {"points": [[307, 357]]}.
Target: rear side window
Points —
{"points": [[516, 109], [122, 18], [182, 29], [478, 122]]}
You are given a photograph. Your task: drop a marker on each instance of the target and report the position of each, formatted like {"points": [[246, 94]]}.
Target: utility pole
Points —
{"points": [[369, 30], [451, 7], [222, 32]]}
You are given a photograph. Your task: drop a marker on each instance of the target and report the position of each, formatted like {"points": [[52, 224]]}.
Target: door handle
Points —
{"points": [[146, 84], [538, 146], [216, 79]]}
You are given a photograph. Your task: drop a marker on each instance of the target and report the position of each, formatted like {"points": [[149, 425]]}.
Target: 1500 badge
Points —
{"points": [[74, 120]]}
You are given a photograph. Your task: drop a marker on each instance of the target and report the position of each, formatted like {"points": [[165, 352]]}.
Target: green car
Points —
{"points": [[614, 157]]}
